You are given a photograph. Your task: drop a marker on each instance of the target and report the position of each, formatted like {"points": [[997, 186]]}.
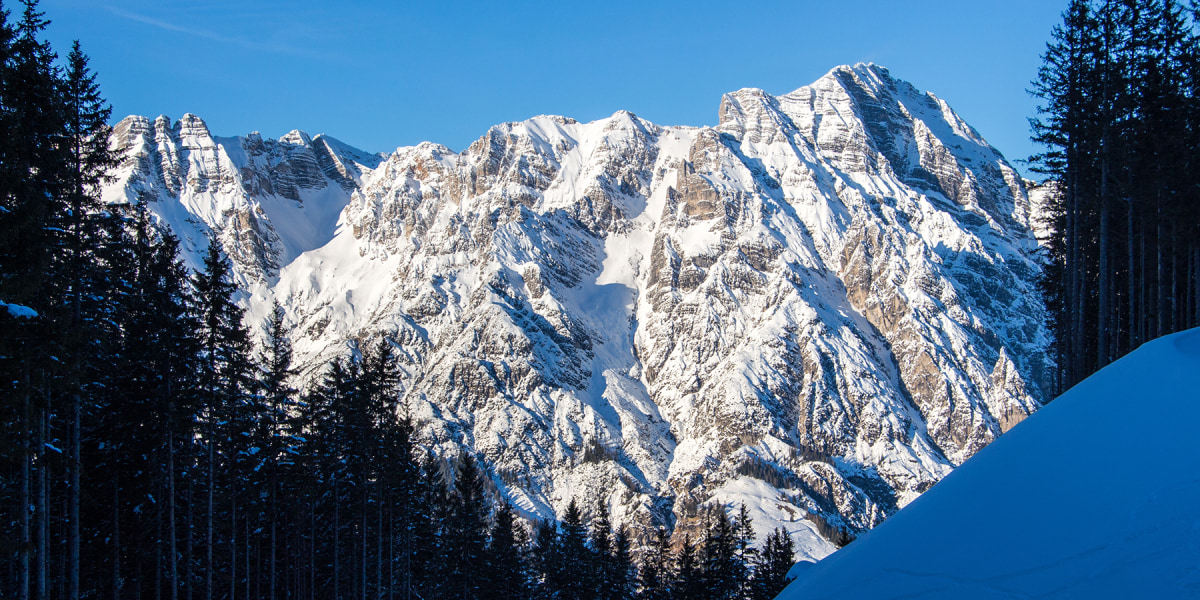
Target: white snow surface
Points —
{"points": [[1092, 497], [18, 310], [771, 509], [818, 307]]}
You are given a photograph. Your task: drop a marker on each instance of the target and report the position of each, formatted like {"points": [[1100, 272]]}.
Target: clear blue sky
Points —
{"points": [[379, 74]]}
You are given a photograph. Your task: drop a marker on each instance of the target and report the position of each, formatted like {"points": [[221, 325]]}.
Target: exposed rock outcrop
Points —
{"points": [[828, 299]]}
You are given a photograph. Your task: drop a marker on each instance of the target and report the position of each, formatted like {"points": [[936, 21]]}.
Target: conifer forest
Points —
{"points": [[151, 445], [154, 445], [1120, 121]]}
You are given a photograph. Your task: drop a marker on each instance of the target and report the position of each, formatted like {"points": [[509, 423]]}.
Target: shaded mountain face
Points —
{"points": [[818, 307]]}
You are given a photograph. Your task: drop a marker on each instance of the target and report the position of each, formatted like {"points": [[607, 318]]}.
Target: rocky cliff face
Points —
{"points": [[818, 307]]}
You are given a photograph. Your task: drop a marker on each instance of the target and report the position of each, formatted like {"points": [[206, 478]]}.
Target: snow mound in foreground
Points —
{"points": [[1093, 496]]}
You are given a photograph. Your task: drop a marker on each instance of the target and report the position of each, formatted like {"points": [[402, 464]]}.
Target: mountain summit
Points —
{"points": [[819, 307]]}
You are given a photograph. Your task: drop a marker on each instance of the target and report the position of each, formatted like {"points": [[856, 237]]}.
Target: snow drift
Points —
{"points": [[1094, 496]]}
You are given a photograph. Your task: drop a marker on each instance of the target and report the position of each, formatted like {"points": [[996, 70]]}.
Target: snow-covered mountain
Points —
{"points": [[1093, 497], [818, 307]]}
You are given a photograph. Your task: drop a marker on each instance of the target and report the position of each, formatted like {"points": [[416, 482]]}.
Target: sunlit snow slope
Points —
{"points": [[818, 307], [1092, 497]]}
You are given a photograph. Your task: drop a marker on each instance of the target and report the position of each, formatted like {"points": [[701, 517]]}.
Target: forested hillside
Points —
{"points": [[151, 445], [1120, 121]]}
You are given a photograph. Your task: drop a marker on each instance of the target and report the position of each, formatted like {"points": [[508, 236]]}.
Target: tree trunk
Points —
{"points": [[391, 551], [73, 503], [363, 545], [24, 495], [42, 500], [233, 543], [208, 559], [116, 539], [173, 535], [274, 521], [1144, 300], [1076, 300], [1195, 287], [158, 534], [1131, 291], [379, 551], [312, 544], [1174, 325], [337, 530], [1160, 266], [1103, 306], [246, 551], [189, 524]]}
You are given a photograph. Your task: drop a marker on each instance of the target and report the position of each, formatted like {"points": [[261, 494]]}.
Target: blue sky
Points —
{"points": [[379, 75]]}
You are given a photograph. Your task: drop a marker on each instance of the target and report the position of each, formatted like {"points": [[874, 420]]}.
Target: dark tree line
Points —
{"points": [[151, 445], [1120, 121]]}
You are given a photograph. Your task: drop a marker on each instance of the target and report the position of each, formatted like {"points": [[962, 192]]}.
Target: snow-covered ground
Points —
{"points": [[1094, 496]]}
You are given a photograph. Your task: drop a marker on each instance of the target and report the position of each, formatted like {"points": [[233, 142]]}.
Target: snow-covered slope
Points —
{"points": [[267, 201], [823, 304], [1092, 497]]}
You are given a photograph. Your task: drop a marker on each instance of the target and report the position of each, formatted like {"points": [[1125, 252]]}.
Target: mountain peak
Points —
{"points": [[296, 137], [826, 300]]}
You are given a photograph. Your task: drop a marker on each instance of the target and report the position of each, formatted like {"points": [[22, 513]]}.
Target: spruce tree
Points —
{"points": [[278, 434], [600, 575], [467, 532], [687, 578], [147, 423], [506, 573], [82, 278], [225, 377], [429, 576], [544, 559], [622, 567], [772, 565], [654, 575], [721, 572], [33, 161], [568, 573], [1118, 109], [745, 554]]}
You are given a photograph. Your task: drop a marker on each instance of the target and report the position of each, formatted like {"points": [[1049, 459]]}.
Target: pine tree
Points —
{"points": [[506, 571], [83, 279], [567, 574], [1118, 110], [654, 575], [33, 163], [772, 565], [687, 580], [544, 560], [146, 424], [278, 434], [33, 159], [600, 574], [430, 498], [467, 531], [745, 554], [622, 567], [225, 380], [330, 412]]}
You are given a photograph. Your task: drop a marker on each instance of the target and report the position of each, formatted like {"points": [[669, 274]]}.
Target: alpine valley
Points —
{"points": [[818, 307]]}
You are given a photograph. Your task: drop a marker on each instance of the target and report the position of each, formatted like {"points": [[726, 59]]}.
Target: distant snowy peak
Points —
{"points": [[861, 120], [268, 201], [819, 307]]}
